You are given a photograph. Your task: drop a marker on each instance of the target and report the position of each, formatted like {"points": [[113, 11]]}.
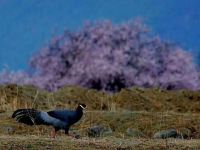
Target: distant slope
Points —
{"points": [[134, 99]]}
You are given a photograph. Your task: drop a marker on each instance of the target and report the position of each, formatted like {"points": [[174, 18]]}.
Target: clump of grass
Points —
{"points": [[13, 96]]}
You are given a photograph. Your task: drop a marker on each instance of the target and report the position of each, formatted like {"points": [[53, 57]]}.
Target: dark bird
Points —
{"points": [[59, 119]]}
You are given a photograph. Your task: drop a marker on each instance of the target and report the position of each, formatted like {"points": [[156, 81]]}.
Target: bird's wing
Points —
{"points": [[63, 115], [46, 119]]}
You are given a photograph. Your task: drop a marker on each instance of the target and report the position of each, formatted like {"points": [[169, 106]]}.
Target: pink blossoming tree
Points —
{"points": [[109, 57]]}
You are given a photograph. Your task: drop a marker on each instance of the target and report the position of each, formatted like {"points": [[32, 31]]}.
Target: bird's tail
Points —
{"points": [[27, 116]]}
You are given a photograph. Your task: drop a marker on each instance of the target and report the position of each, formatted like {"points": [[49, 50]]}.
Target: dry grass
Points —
{"points": [[134, 99], [41, 142], [146, 110], [37, 137], [146, 122]]}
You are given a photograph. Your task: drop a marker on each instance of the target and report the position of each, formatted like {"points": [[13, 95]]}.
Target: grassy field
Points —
{"points": [[38, 137], [145, 110], [41, 142]]}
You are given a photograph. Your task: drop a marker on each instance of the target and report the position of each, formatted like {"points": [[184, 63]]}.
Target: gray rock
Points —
{"points": [[134, 133], [184, 133], [75, 134], [9, 130], [98, 130], [170, 133]]}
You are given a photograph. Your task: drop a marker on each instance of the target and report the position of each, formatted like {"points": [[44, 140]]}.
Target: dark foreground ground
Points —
{"points": [[30, 142]]}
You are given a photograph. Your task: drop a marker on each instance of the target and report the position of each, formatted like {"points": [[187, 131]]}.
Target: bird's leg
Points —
{"points": [[73, 135], [67, 132], [53, 133]]}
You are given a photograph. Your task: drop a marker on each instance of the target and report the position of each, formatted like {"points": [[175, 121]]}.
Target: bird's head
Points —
{"points": [[82, 106]]}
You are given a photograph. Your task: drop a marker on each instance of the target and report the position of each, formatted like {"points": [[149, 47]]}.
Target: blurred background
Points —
{"points": [[26, 27]]}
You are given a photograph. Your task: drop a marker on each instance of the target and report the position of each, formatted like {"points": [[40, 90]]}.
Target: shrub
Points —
{"points": [[109, 57], [12, 77]]}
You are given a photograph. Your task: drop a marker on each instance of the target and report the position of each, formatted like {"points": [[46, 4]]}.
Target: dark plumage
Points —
{"points": [[59, 119]]}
